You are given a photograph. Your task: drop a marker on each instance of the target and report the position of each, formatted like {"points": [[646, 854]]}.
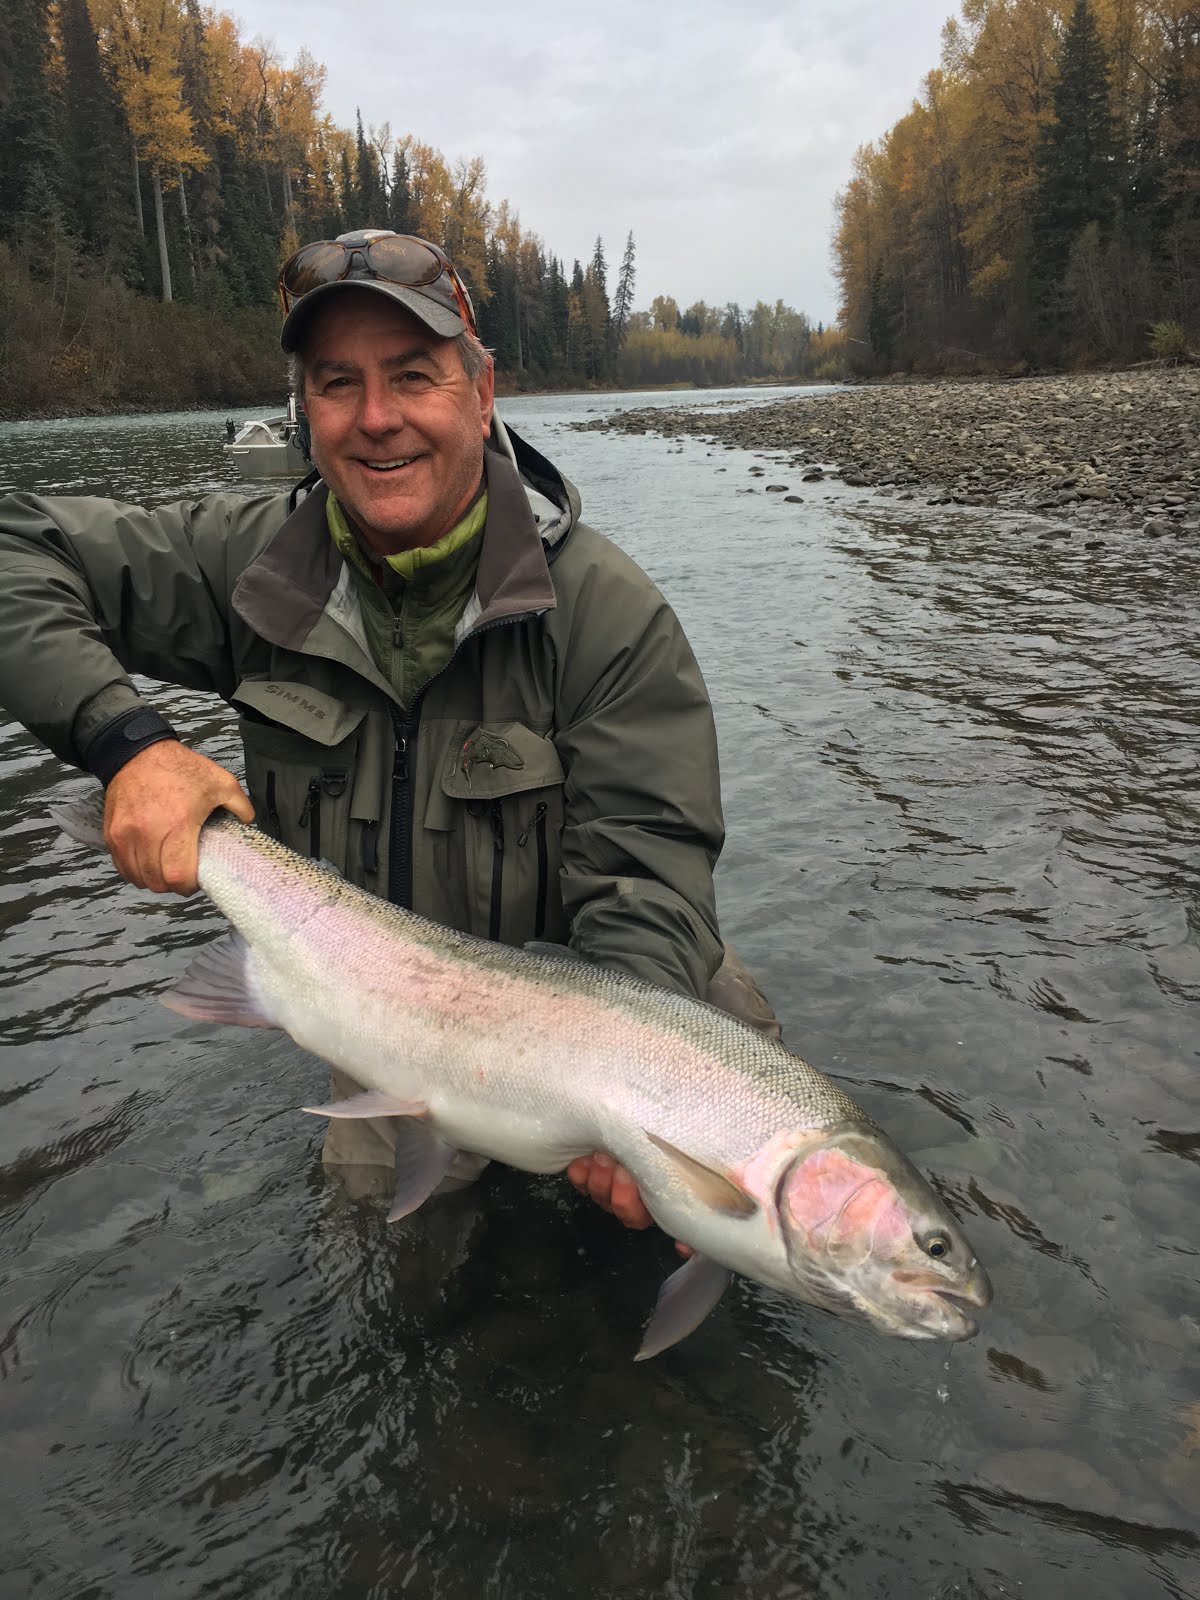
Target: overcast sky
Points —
{"points": [[718, 132]]}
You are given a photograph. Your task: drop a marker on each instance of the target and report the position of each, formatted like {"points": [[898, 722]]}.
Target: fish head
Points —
{"points": [[865, 1235]]}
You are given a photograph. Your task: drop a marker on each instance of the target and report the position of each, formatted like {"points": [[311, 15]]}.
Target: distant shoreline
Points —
{"points": [[271, 405], [1116, 449]]}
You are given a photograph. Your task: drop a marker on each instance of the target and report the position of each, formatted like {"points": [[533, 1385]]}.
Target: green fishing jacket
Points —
{"points": [[556, 780]]}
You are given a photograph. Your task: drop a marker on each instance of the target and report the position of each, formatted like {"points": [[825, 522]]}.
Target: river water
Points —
{"points": [[960, 772]]}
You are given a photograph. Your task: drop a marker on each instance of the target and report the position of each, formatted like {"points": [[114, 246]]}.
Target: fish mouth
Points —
{"points": [[961, 1306], [940, 1310]]}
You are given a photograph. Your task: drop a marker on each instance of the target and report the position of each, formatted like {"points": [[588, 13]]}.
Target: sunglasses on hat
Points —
{"points": [[399, 258]]}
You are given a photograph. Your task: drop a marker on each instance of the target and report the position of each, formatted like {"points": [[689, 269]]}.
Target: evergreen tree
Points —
{"points": [[557, 298], [369, 204], [880, 319], [1078, 172], [1174, 201], [623, 299], [498, 314], [30, 172], [351, 215], [95, 146], [248, 247], [201, 201], [399, 215], [600, 268]]}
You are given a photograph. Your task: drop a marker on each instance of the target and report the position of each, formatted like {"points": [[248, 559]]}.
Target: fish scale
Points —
{"points": [[740, 1148]]}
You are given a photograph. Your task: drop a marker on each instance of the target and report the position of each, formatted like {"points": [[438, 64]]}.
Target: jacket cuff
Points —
{"points": [[126, 736]]}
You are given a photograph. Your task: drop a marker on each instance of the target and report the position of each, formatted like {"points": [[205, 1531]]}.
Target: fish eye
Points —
{"points": [[936, 1245]]}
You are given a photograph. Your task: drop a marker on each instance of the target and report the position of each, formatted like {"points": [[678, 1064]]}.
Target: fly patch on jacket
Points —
{"points": [[484, 749]]}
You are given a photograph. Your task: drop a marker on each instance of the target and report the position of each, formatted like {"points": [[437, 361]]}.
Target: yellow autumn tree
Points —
{"points": [[140, 41]]}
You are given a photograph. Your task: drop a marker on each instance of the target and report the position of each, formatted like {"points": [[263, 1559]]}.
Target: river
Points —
{"points": [[960, 767]]}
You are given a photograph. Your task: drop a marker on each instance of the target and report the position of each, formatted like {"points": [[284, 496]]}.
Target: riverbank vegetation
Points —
{"points": [[158, 169], [1040, 203]]}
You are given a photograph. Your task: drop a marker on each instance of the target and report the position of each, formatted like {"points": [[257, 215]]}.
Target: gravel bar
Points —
{"points": [[1112, 449]]}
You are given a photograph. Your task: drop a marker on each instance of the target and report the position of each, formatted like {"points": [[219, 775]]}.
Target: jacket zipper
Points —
{"points": [[310, 817], [331, 781], [537, 826], [272, 807], [404, 772], [496, 814]]}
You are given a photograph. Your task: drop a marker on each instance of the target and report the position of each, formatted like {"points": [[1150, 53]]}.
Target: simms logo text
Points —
{"points": [[296, 700]]}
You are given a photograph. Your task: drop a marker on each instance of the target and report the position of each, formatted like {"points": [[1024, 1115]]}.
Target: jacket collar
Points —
{"points": [[300, 579]]}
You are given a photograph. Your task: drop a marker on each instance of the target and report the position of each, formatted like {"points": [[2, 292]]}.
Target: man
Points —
{"points": [[447, 684]]}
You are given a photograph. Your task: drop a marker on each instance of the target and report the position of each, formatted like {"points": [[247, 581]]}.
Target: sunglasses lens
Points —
{"points": [[404, 260], [312, 266]]}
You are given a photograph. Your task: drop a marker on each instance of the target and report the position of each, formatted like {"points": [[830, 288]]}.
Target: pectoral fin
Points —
{"points": [[714, 1189], [422, 1161], [684, 1301]]}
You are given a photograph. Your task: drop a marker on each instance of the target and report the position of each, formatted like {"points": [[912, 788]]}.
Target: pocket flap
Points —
{"points": [[311, 712], [489, 760]]}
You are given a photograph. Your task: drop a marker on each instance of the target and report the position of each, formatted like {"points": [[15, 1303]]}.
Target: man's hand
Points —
{"points": [[154, 809], [612, 1188]]}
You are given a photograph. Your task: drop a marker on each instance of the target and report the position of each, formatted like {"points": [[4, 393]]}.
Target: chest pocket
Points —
{"points": [[500, 803], [302, 762]]}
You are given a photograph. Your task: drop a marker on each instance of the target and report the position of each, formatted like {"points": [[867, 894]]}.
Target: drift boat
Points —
{"points": [[269, 447]]}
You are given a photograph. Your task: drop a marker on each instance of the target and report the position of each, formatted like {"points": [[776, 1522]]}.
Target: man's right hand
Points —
{"points": [[154, 809]]}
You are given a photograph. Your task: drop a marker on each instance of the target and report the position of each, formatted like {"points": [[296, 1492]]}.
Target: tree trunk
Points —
{"points": [[164, 259], [187, 229], [137, 193]]}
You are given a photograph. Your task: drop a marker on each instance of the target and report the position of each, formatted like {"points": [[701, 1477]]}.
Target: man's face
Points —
{"points": [[397, 426]]}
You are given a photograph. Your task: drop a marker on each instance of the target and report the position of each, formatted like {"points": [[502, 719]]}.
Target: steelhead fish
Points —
{"points": [[740, 1148]]}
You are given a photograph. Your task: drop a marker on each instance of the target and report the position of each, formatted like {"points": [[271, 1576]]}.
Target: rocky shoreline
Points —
{"points": [[1107, 449]]}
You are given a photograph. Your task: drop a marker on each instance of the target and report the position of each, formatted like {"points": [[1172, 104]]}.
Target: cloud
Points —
{"points": [[719, 133]]}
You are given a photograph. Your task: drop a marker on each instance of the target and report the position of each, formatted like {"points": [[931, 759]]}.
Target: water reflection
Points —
{"points": [[959, 767]]}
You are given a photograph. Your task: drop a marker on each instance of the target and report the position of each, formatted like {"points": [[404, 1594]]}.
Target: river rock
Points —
{"points": [[1052, 1476]]}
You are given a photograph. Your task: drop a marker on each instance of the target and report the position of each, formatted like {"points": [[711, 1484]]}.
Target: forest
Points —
{"points": [[1039, 205], [158, 169]]}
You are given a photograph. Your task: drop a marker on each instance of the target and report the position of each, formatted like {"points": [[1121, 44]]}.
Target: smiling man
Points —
{"points": [[447, 684], [397, 423]]}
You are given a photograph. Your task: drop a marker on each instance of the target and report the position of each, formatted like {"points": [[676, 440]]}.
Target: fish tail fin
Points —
{"points": [[83, 819]]}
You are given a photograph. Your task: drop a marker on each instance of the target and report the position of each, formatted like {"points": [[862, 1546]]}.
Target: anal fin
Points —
{"points": [[423, 1158], [684, 1301], [370, 1103], [422, 1161]]}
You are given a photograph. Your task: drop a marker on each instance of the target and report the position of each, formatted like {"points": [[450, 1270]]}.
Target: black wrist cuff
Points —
{"points": [[123, 738]]}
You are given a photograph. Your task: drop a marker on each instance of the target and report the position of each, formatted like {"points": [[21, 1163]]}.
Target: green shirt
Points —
{"points": [[411, 602]]}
